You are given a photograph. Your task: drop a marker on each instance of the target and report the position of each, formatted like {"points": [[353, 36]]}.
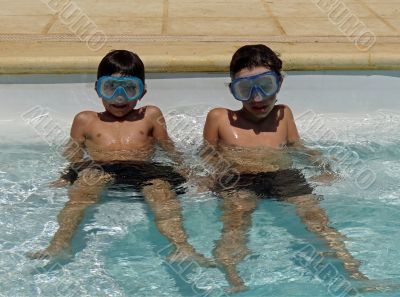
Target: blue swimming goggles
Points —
{"points": [[266, 84], [110, 87]]}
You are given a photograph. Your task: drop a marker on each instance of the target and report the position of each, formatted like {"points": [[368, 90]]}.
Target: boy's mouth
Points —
{"points": [[119, 106], [260, 109]]}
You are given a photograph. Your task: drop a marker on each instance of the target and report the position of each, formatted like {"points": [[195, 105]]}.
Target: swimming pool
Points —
{"points": [[352, 116]]}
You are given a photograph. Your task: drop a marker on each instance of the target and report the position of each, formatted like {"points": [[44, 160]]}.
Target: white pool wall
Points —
{"points": [[321, 92]]}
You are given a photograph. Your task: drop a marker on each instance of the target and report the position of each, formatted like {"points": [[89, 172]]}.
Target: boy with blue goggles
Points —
{"points": [[266, 84], [110, 87]]}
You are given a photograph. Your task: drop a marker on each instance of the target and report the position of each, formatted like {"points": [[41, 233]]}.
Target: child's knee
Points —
{"points": [[159, 184], [92, 177]]}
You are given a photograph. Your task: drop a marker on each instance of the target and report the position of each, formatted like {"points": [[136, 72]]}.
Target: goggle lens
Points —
{"points": [[130, 87], [267, 83]]}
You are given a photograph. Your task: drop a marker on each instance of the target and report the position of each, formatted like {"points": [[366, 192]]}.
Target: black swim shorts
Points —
{"points": [[133, 173], [279, 184]]}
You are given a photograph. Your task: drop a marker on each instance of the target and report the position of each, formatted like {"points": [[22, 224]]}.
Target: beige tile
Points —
{"points": [[386, 10], [324, 27], [121, 8], [23, 24], [394, 2], [301, 8], [116, 26], [360, 10], [24, 8], [379, 27], [352, 8], [222, 26], [394, 22], [249, 9], [309, 27], [295, 9]]}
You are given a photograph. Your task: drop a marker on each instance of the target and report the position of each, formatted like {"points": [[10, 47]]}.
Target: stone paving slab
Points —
{"points": [[58, 36]]}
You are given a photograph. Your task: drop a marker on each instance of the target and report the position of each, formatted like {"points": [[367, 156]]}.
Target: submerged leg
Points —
{"points": [[83, 193], [231, 248], [316, 220], [168, 219]]}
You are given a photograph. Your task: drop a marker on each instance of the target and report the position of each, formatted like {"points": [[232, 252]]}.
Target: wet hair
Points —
{"points": [[250, 56], [121, 61]]}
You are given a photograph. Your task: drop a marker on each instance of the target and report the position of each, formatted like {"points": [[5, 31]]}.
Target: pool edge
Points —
{"points": [[50, 58]]}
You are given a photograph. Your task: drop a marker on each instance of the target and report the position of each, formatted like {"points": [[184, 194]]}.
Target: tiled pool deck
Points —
{"points": [[49, 36]]}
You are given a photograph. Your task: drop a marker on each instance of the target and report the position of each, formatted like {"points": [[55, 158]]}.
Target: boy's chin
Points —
{"points": [[258, 113], [119, 113]]}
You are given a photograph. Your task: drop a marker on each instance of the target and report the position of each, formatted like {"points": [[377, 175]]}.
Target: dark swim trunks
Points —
{"points": [[279, 184], [133, 173]]}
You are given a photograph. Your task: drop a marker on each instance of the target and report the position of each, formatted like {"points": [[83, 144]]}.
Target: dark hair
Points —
{"points": [[250, 56], [121, 61]]}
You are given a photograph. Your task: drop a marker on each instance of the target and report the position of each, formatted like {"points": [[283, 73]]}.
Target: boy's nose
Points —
{"points": [[119, 99], [257, 96]]}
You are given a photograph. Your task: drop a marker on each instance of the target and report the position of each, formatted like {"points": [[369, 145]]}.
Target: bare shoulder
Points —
{"points": [[217, 113], [213, 124], [84, 117], [81, 124], [292, 132], [284, 111], [151, 111]]}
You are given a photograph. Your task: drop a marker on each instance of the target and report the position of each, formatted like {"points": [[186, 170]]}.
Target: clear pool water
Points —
{"points": [[119, 252]]}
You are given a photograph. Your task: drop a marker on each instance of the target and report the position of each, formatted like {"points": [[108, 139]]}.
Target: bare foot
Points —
{"points": [[379, 286], [357, 275], [49, 253], [236, 289], [181, 255]]}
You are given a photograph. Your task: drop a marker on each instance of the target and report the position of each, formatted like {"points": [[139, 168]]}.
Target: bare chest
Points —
{"points": [[119, 136], [254, 137]]}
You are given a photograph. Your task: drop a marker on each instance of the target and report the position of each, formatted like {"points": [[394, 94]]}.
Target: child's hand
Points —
{"points": [[325, 178], [59, 183], [203, 183], [184, 171]]}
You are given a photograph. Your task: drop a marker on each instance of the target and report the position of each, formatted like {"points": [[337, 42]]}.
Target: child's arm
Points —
{"points": [[74, 149], [315, 157], [160, 134], [293, 136], [209, 152], [210, 132]]}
